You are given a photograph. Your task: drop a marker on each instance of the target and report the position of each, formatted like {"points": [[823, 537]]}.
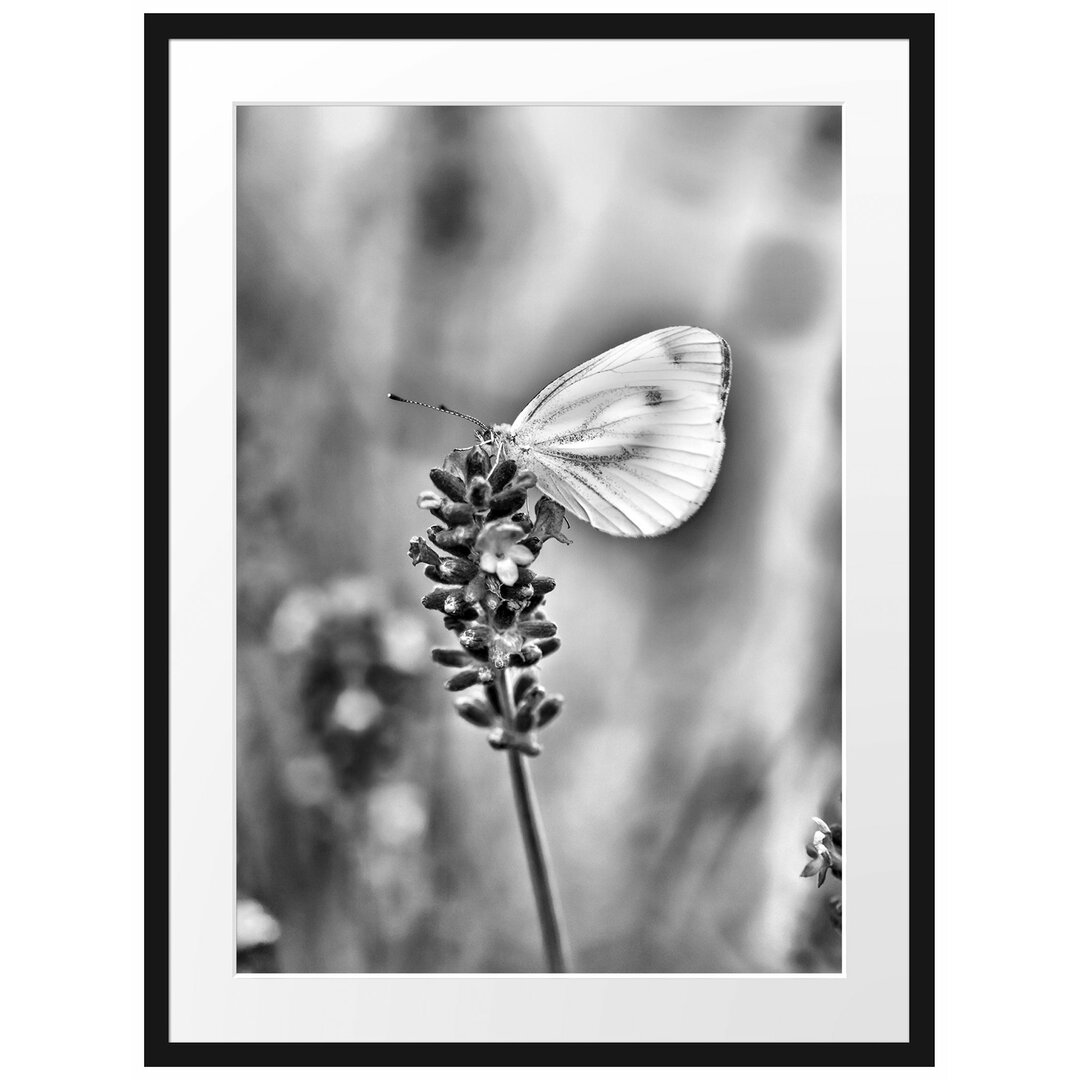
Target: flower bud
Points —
{"points": [[451, 658], [457, 513], [449, 540], [436, 600], [548, 646], [506, 503], [530, 655], [456, 570], [523, 686], [539, 629], [475, 710], [524, 718], [456, 604], [476, 463], [475, 638], [543, 585], [452, 571], [470, 676], [449, 484], [548, 709], [502, 474]]}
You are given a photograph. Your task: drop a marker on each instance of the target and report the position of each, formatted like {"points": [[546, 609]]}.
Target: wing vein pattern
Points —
{"points": [[632, 440]]}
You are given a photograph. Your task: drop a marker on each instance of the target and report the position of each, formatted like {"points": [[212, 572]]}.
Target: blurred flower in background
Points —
{"points": [[257, 932], [344, 666], [359, 662], [469, 255]]}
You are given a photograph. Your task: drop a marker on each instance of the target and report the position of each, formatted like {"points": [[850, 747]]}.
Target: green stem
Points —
{"points": [[532, 834]]}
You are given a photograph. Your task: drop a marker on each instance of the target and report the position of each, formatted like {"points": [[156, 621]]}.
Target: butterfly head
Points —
{"points": [[503, 440]]}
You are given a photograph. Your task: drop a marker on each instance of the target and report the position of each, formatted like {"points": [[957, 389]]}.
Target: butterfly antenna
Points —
{"points": [[440, 408]]}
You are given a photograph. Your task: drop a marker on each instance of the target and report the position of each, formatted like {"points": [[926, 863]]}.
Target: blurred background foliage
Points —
{"points": [[468, 255]]}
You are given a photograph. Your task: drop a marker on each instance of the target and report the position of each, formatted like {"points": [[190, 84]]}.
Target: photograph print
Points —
{"points": [[539, 535]]}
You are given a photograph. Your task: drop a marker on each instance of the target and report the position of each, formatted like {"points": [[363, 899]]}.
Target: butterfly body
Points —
{"points": [[631, 441]]}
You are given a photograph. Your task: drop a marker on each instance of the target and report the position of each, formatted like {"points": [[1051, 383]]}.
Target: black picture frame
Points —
{"points": [[160, 30]]}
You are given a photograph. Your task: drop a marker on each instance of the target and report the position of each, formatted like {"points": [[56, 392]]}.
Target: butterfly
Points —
{"points": [[630, 441]]}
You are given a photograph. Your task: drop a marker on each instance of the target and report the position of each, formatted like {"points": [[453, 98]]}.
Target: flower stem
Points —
{"points": [[532, 834]]}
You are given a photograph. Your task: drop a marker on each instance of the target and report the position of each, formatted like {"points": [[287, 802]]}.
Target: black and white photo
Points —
{"points": [[684, 678]]}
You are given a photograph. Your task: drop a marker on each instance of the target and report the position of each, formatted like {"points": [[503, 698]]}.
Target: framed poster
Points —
{"points": [[699, 694]]}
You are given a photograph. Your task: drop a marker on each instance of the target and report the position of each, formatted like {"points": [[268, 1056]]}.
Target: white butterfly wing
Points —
{"points": [[632, 440]]}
